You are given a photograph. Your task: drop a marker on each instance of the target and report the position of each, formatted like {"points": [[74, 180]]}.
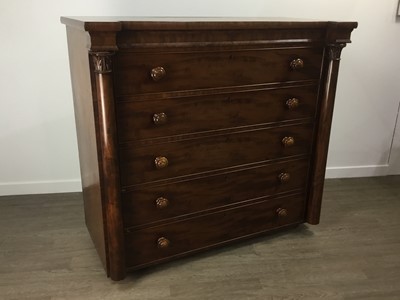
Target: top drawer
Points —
{"points": [[137, 73]]}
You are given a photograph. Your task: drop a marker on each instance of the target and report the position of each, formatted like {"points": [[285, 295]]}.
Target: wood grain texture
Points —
{"points": [[210, 230], [102, 68], [155, 40], [211, 112], [325, 114], [85, 106], [208, 69], [110, 23], [193, 196], [215, 152]]}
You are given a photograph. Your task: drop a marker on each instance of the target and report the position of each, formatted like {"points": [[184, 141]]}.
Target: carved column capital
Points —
{"points": [[102, 62], [334, 51]]}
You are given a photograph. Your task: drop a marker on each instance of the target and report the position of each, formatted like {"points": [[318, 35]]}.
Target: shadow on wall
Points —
{"points": [[394, 155], [394, 161], [398, 13]]}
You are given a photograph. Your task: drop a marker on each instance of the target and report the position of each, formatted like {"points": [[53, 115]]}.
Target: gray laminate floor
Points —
{"points": [[46, 253]]}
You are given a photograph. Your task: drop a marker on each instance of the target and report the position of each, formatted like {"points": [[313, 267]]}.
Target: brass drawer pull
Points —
{"points": [[284, 177], [160, 118], [292, 103], [163, 243], [297, 64], [288, 141], [282, 212], [158, 73], [162, 202], [161, 162]]}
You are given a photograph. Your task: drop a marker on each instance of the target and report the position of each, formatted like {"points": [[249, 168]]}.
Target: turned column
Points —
{"points": [[109, 173], [326, 104]]}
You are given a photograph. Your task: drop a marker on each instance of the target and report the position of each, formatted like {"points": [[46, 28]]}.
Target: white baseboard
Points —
{"points": [[74, 185], [40, 187], [357, 171]]}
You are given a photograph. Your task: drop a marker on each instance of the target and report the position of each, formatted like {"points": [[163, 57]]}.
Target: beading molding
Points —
{"points": [[102, 62], [334, 51]]}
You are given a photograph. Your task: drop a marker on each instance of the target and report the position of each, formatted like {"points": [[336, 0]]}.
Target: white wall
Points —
{"points": [[37, 131]]}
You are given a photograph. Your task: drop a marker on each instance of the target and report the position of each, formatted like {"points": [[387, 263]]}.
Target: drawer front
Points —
{"points": [[158, 118], [160, 242], [137, 73], [160, 202], [138, 164]]}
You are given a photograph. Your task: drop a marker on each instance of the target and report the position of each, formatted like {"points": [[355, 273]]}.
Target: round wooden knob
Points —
{"points": [[284, 177], [160, 118], [292, 103], [282, 212], [162, 202], [163, 243], [158, 73], [297, 64], [161, 162], [288, 141]]}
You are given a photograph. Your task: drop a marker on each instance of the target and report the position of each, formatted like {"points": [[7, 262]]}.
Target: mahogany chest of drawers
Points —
{"points": [[195, 133]]}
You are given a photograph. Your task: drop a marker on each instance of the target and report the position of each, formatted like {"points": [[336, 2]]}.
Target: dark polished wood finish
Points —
{"points": [[212, 229], [85, 103], [184, 115], [207, 69], [194, 133], [194, 155], [191, 196], [109, 160], [328, 91]]}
